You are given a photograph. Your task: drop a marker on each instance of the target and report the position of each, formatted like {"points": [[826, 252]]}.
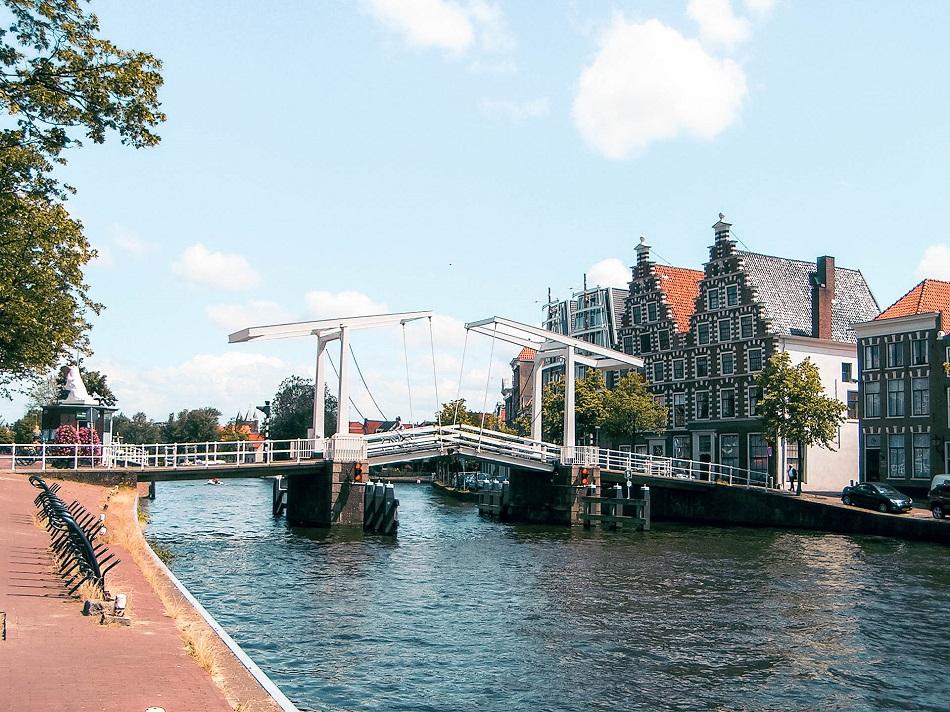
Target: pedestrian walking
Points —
{"points": [[792, 475]]}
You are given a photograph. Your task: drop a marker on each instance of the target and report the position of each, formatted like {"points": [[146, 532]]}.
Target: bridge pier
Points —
{"points": [[332, 495], [549, 498]]}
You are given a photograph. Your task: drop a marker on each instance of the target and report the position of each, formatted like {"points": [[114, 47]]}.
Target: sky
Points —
{"points": [[333, 158]]}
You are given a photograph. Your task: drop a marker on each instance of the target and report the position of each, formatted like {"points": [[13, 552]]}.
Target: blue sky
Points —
{"points": [[329, 158]]}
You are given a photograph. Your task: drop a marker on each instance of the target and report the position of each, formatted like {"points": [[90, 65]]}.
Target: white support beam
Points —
{"points": [[569, 373], [319, 327], [536, 398], [319, 391], [343, 396]]}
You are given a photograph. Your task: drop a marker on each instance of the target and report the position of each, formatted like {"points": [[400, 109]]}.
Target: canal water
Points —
{"points": [[460, 613]]}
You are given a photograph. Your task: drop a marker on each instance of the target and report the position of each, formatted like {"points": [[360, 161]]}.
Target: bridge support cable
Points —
{"points": [[365, 385], [350, 398], [491, 357], [458, 395], [405, 353], [435, 377]]}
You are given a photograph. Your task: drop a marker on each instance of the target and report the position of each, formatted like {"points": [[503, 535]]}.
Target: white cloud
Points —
{"points": [[198, 265], [718, 24], [129, 242], [516, 111], [227, 381], [759, 8], [609, 273], [649, 83], [327, 305], [426, 23], [935, 263], [232, 317], [455, 27]]}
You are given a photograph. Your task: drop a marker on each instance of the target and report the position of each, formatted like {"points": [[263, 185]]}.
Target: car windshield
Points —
{"points": [[889, 491]]}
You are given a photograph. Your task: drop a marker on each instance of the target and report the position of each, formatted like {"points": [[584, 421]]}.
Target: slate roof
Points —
{"points": [[930, 295], [680, 286], [783, 288]]}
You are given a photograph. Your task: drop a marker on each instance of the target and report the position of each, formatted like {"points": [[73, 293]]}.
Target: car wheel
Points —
{"points": [[937, 511], [847, 500], [882, 507]]}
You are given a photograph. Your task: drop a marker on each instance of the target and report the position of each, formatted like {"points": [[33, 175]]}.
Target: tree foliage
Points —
{"points": [[631, 410], [138, 429], [794, 406], [455, 411], [192, 426], [622, 413], [590, 402], [291, 410], [61, 84]]}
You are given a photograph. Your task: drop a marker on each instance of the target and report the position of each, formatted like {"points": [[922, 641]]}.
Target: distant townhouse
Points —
{"points": [[518, 396], [706, 335], [593, 314], [902, 361]]}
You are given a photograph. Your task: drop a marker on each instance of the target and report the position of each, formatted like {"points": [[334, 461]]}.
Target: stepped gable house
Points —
{"points": [[705, 336], [902, 357]]}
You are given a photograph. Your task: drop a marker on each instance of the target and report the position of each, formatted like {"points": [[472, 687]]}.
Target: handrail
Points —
{"points": [[116, 456]]}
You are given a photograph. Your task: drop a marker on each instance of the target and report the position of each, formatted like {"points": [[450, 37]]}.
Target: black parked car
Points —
{"points": [[877, 495], [940, 496]]}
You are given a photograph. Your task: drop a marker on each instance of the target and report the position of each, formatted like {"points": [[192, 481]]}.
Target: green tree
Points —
{"points": [[631, 410], [455, 411], [137, 430], [95, 383], [29, 425], [590, 403], [192, 426], [291, 410], [794, 406], [61, 83]]}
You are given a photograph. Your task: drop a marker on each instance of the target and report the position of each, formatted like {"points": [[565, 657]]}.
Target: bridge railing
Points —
{"points": [[41, 457], [638, 463]]}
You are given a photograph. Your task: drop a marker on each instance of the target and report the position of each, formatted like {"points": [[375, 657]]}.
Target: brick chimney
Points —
{"points": [[822, 297]]}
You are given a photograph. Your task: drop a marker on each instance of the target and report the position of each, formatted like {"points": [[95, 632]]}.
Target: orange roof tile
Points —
{"points": [[681, 288], [526, 354], [931, 295]]}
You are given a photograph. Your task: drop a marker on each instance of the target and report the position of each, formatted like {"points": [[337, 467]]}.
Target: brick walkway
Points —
{"points": [[54, 658]]}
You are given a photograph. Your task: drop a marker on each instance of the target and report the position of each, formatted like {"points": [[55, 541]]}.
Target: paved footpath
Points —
{"points": [[54, 658]]}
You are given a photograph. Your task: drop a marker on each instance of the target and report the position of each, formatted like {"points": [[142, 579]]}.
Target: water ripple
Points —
{"points": [[460, 613]]}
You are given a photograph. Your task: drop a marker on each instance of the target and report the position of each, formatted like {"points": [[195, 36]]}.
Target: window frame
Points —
{"points": [[876, 392], [897, 351], [749, 353], [719, 323], [900, 410], [699, 411], [743, 321], [705, 359], [709, 301], [925, 400], [682, 369], [872, 356], [732, 289], [913, 356], [722, 409], [699, 333], [722, 363]]}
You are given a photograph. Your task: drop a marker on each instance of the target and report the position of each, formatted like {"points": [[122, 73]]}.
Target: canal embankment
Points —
{"points": [[713, 503], [53, 657]]}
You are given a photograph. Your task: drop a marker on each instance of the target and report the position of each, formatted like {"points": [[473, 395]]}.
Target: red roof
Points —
{"points": [[929, 296], [681, 288], [526, 354]]}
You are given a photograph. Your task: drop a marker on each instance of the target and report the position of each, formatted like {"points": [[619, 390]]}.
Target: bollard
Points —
{"points": [[646, 508]]}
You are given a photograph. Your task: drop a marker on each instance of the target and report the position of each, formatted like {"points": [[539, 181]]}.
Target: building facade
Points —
{"points": [[905, 389], [706, 335]]}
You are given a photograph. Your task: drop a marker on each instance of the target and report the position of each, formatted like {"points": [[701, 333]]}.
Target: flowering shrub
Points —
{"points": [[90, 450]]}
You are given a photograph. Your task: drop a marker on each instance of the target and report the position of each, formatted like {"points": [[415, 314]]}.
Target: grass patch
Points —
{"points": [[161, 551], [126, 531]]}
